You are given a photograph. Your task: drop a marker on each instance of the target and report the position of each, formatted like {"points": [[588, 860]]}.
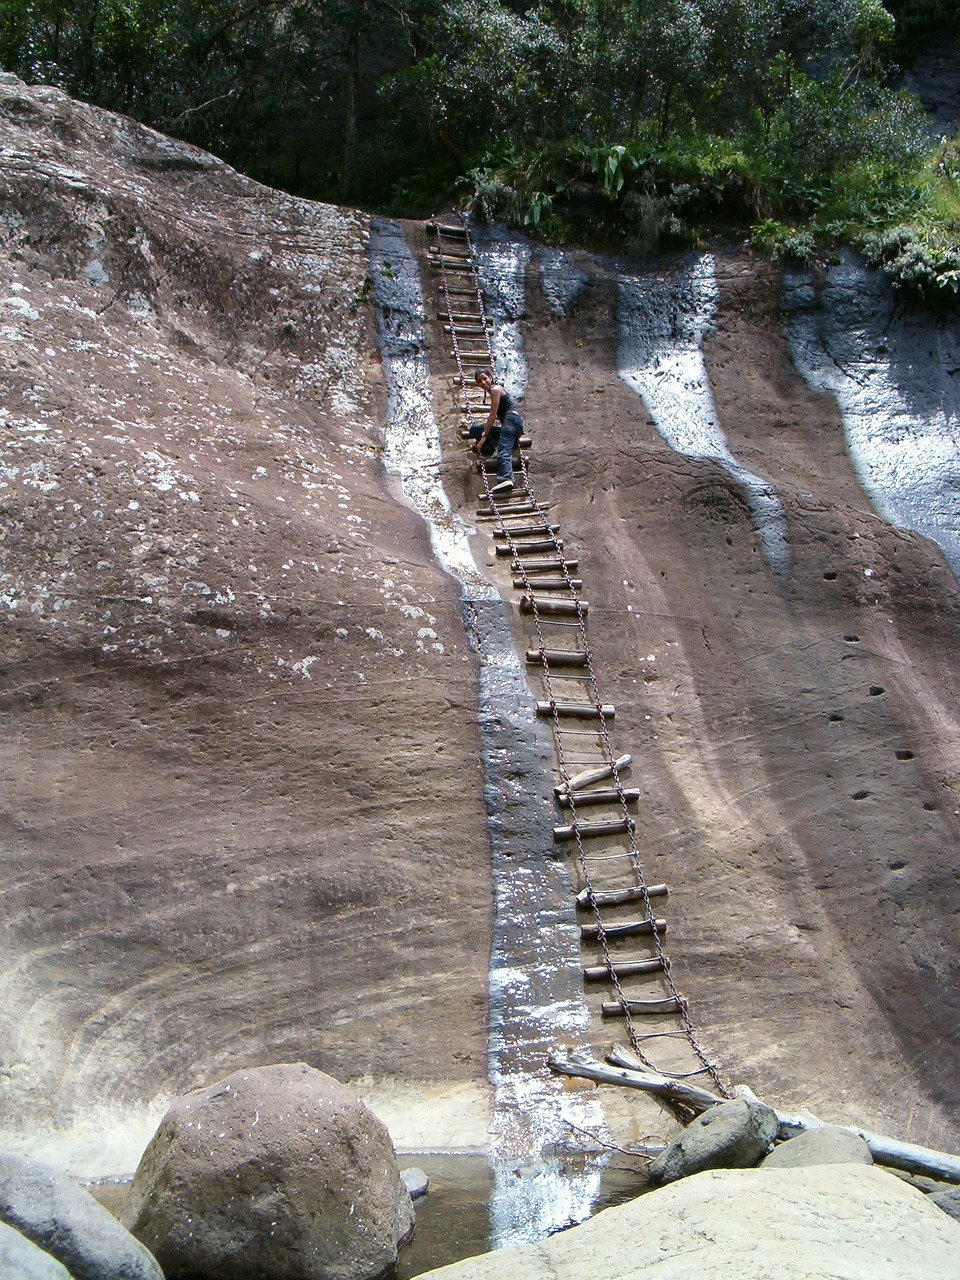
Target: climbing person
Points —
{"points": [[503, 423]]}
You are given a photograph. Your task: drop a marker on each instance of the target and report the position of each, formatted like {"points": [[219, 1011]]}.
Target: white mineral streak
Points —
{"points": [[561, 279], [411, 436], [502, 267], [662, 322], [536, 1005], [894, 374], [536, 1190]]}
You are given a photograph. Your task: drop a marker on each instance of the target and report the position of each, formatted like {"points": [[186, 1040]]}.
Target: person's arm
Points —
{"points": [[495, 393]]}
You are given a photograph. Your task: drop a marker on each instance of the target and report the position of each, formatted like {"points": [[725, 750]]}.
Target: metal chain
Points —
{"points": [[611, 760]]}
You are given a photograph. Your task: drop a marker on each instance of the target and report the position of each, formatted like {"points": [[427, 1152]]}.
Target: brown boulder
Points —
{"points": [[827, 1145], [273, 1172], [732, 1135]]}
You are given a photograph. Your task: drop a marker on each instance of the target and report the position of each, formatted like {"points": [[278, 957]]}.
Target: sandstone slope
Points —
{"points": [[242, 816]]}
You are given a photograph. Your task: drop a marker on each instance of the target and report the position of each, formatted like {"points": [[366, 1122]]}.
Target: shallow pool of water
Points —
{"points": [[453, 1218]]}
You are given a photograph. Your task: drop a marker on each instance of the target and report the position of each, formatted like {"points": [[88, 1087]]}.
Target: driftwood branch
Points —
{"points": [[905, 1156], [688, 1095]]}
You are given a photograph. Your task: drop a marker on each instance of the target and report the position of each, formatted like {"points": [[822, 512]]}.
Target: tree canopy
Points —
{"points": [[660, 118]]}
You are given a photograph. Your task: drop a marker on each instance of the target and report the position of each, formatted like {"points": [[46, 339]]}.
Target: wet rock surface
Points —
{"points": [[65, 1221], [278, 1173], [416, 1182]]}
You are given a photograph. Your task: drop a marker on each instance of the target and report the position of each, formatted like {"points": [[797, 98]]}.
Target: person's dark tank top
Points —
{"points": [[505, 405]]}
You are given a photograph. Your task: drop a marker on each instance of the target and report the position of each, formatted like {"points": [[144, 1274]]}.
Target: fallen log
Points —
{"points": [[676, 1091], [908, 1157]]}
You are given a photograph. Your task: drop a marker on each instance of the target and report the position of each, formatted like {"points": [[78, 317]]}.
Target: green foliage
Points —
{"points": [[651, 119], [916, 258]]}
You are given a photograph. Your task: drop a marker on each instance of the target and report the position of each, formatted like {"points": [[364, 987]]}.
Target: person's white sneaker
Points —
{"points": [[504, 486]]}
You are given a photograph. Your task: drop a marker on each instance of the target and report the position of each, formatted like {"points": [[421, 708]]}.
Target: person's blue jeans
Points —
{"points": [[503, 440]]}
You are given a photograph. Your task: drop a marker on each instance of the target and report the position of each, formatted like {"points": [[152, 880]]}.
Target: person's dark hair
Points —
{"points": [[481, 372]]}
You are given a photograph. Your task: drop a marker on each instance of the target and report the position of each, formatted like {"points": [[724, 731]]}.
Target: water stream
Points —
{"points": [[541, 1183], [895, 372], [662, 320]]}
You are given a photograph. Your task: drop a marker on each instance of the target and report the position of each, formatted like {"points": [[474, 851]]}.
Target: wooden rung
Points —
{"points": [[616, 1009], [545, 566], [606, 795], [550, 584], [468, 317], [558, 657], [616, 897], [623, 969], [518, 503], [490, 460], [472, 357], [521, 530], [448, 251], [511, 513], [527, 511], [517, 495], [589, 776], [464, 327], [609, 827], [547, 604], [527, 548], [629, 928], [461, 291], [512, 508], [581, 710], [445, 229]]}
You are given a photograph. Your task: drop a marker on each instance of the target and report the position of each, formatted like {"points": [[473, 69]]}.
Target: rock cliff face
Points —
{"points": [[242, 808], [795, 739], [795, 736], [244, 818]]}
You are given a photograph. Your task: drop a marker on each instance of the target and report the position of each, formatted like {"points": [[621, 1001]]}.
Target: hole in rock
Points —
{"points": [[830, 576], [861, 795], [852, 639], [903, 754], [835, 717], [875, 690], [896, 864]]}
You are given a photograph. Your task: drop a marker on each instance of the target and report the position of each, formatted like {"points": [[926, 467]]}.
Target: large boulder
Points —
{"points": [[732, 1135], [64, 1220], [832, 1222], [273, 1172], [21, 1259], [827, 1145]]}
